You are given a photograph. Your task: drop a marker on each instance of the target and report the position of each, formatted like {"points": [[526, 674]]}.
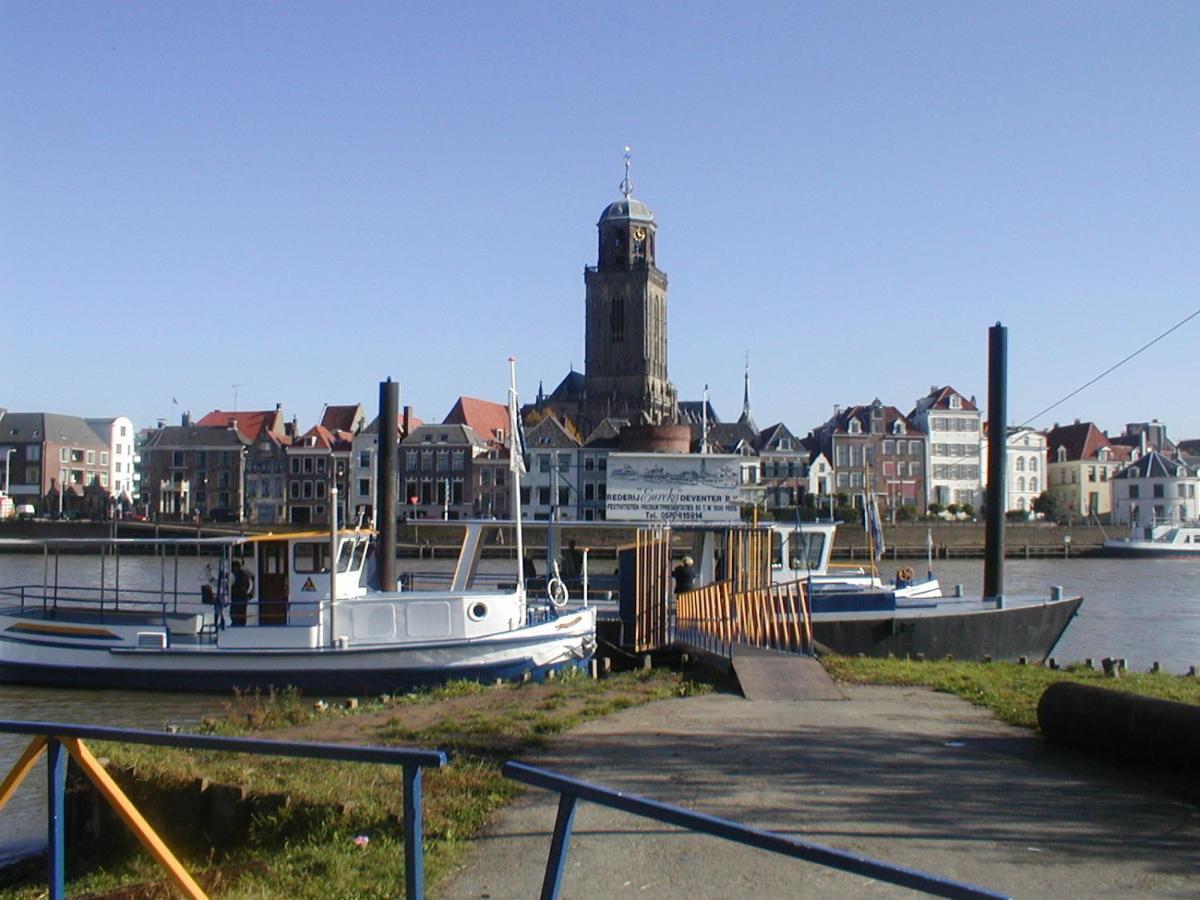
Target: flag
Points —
{"points": [[873, 525], [174, 402], [516, 437]]}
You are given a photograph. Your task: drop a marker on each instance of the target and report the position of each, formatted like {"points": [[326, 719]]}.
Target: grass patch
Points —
{"points": [[309, 845], [1010, 691]]}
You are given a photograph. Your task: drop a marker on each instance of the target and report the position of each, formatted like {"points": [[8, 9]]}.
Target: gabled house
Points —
{"points": [[593, 468], [551, 491], [318, 460], [437, 470], [783, 467], [879, 446], [1155, 489], [56, 463], [952, 424], [266, 435], [195, 472], [1080, 462]]}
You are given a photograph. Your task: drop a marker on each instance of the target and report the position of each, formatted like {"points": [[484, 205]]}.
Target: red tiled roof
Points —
{"points": [[1083, 440], [250, 423], [484, 417], [340, 418], [940, 399]]}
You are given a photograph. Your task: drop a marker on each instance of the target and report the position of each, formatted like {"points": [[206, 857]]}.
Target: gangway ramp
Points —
{"points": [[774, 675]]}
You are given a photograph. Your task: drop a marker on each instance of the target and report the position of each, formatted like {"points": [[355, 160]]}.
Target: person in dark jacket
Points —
{"points": [[239, 594], [685, 575]]}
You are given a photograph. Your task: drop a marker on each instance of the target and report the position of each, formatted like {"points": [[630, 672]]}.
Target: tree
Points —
{"points": [[935, 509], [1047, 505]]}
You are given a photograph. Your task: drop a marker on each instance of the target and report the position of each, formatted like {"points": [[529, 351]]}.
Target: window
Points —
{"points": [[443, 460], [1158, 490], [589, 491], [855, 427], [1033, 484], [91, 457], [589, 463], [1020, 464], [308, 558], [457, 459], [616, 322], [544, 496], [294, 490], [543, 462], [320, 490], [307, 490], [1033, 464], [888, 448], [104, 458], [364, 459], [914, 448]]}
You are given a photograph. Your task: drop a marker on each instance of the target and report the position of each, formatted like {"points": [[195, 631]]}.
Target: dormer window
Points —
{"points": [[855, 427], [955, 401], [898, 427], [1102, 455], [1062, 454]]}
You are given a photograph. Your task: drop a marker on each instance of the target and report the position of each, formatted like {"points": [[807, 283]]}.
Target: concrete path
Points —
{"points": [[901, 774]]}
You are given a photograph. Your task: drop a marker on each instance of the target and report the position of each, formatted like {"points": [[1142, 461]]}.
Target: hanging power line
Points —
{"points": [[1111, 368]]}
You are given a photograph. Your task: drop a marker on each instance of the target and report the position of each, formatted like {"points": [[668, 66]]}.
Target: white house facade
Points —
{"points": [[952, 423], [1155, 490], [122, 479]]}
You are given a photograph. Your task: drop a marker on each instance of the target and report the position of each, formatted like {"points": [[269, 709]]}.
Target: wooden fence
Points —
{"points": [[716, 617]]}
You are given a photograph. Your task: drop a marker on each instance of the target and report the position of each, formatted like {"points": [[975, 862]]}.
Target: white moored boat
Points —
{"points": [[802, 551], [1171, 540], [305, 625]]}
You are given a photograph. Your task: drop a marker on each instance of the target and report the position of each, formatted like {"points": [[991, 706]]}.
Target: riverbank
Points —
{"points": [[863, 775]]}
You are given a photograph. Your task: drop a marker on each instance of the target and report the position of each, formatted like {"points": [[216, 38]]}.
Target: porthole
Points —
{"points": [[477, 612]]}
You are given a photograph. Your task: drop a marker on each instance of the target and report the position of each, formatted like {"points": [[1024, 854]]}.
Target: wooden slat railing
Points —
{"points": [[715, 617]]}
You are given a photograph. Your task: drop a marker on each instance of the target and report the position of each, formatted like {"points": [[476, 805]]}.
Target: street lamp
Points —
{"points": [[8, 452]]}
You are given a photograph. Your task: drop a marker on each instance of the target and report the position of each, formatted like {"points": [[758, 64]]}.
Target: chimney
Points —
{"points": [[186, 419], [837, 410], [162, 423], [406, 424]]}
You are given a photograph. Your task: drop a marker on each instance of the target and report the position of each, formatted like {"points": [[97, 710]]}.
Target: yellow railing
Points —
{"points": [[775, 617]]}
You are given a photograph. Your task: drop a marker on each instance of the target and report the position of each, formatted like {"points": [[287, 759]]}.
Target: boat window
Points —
{"points": [[311, 556], [776, 550], [345, 554], [806, 549], [360, 554]]}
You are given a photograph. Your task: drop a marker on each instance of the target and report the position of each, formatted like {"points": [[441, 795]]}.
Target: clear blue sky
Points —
{"points": [[305, 198]]}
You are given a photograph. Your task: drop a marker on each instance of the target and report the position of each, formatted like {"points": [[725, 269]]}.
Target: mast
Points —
{"points": [[516, 465], [333, 551]]}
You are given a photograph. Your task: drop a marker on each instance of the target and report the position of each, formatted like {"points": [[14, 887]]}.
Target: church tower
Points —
{"points": [[626, 319]]}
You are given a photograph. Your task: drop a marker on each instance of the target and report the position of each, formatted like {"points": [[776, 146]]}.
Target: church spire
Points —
{"points": [[746, 418], [627, 182]]}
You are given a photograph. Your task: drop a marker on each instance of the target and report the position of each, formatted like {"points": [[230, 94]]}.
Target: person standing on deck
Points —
{"points": [[243, 587]]}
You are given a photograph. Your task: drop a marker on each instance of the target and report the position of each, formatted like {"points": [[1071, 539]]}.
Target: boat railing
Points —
{"points": [[90, 597]]}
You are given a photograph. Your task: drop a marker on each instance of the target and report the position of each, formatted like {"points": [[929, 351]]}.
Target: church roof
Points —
{"points": [[570, 388], [626, 208]]}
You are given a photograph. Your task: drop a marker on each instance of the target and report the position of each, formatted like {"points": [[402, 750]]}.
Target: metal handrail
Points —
{"points": [[53, 737], [572, 790]]}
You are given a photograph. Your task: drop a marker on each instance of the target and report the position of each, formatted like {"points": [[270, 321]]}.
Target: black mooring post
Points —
{"points": [[993, 565], [387, 476]]}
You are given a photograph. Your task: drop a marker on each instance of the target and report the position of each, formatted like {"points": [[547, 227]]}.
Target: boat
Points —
{"points": [[309, 616], [1156, 541], [803, 551], [308, 625]]}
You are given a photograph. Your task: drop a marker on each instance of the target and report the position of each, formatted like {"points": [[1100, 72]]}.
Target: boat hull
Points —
{"points": [[962, 629], [534, 651], [1149, 550]]}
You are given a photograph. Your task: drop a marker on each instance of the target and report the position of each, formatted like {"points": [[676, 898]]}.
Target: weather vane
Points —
{"points": [[627, 182]]}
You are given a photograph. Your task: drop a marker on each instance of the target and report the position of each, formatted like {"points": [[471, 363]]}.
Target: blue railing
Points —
{"points": [[413, 761], [571, 791]]}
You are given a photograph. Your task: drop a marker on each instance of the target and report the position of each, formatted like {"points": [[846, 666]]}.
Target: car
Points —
{"points": [[25, 511]]}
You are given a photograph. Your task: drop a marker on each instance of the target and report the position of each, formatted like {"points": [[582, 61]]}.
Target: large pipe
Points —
{"points": [[1147, 730], [993, 565], [386, 494]]}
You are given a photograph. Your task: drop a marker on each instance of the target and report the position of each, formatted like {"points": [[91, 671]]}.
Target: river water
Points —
{"points": [[1144, 611]]}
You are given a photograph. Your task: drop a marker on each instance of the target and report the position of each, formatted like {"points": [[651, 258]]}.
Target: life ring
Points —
{"points": [[557, 593], [905, 574]]}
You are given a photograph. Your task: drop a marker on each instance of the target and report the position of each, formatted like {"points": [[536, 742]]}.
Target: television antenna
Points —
{"points": [[236, 387]]}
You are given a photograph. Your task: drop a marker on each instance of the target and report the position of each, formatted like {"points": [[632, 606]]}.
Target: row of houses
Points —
{"points": [[258, 467]]}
